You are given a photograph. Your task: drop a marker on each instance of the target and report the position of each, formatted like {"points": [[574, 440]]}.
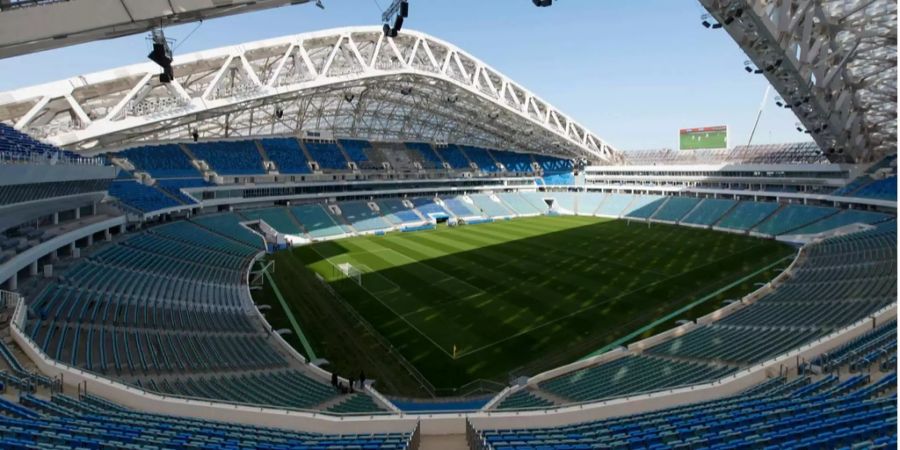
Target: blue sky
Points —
{"points": [[632, 71]]}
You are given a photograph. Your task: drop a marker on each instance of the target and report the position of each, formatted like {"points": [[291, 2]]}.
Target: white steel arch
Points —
{"points": [[348, 82], [833, 61]]}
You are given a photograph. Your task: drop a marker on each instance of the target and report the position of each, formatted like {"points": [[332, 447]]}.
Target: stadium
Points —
{"points": [[366, 237]]}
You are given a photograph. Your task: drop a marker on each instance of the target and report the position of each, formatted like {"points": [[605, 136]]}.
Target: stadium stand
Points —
{"points": [[795, 153], [428, 207], [286, 154], [589, 202], [277, 218], [316, 221], [20, 193], [454, 156], [644, 206], [842, 218], [161, 161], [518, 204], [606, 380], [709, 211], [230, 157], [792, 217], [327, 155], [141, 197], [675, 208], [489, 207], [173, 187], [228, 225], [482, 158], [459, 207], [536, 199], [550, 165], [746, 215], [878, 342], [361, 216], [615, 205], [356, 150], [514, 162], [16, 146], [523, 399], [91, 422], [885, 189], [395, 212], [802, 416], [430, 159]]}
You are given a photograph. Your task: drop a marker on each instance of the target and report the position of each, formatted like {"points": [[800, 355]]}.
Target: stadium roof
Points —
{"points": [[28, 26], [833, 61], [349, 82]]}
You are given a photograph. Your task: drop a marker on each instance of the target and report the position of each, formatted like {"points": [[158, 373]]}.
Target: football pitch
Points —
{"points": [[485, 301]]}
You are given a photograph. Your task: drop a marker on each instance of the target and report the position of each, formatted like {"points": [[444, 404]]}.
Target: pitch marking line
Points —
{"points": [[446, 276], [401, 317]]}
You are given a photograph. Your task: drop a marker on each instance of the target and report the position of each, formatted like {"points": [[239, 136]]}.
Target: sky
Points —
{"points": [[631, 71]]}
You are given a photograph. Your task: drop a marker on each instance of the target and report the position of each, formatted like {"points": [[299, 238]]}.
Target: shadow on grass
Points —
{"points": [[547, 299]]}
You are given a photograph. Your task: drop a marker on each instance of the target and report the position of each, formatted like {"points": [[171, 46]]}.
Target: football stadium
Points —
{"points": [[366, 237]]}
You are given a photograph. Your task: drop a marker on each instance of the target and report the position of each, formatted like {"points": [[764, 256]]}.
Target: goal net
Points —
{"points": [[351, 272]]}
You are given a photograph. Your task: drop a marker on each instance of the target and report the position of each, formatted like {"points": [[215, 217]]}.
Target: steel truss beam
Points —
{"points": [[833, 61], [351, 82]]}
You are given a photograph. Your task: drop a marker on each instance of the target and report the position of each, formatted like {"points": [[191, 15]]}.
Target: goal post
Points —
{"points": [[350, 272]]}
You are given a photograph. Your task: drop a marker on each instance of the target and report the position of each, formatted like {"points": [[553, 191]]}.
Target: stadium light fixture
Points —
{"points": [[162, 55], [397, 11], [542, 3], [706, 23]]}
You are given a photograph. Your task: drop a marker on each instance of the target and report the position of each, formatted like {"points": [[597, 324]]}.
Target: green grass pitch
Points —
{"points": [[485, 301]]}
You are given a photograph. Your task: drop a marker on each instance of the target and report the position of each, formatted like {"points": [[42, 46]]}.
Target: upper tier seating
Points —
{"points": [[429, 208], [796, 153], [287, 155], [841, 219], [514, 162], [317, 222], [357, 151], [18, 193], [454, 156], [430, 159], [550, 164], [397, 213], [490, 207], [16, 146], [91, 422], [709, 211], [460, 208], [161, 161], [482, 158], [773, 415], [747, 214], [141, 197], [644, 374], [792, 217], [518, 204], [327, 154], [885, 189], [558, 179], [173, 187], [361, 216], [230, 157], [675, 208], [277, 218], [735, 344]]}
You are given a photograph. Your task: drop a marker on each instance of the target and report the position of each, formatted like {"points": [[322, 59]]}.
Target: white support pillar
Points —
{"points": [[33, 269], [122, 229], [107, 235], [56, 218], [77, 213], [54, 255], [72, 248], [90, 240], [13, 283]]}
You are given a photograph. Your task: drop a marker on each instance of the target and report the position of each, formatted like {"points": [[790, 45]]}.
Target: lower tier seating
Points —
{"points": [[91, 422]]}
